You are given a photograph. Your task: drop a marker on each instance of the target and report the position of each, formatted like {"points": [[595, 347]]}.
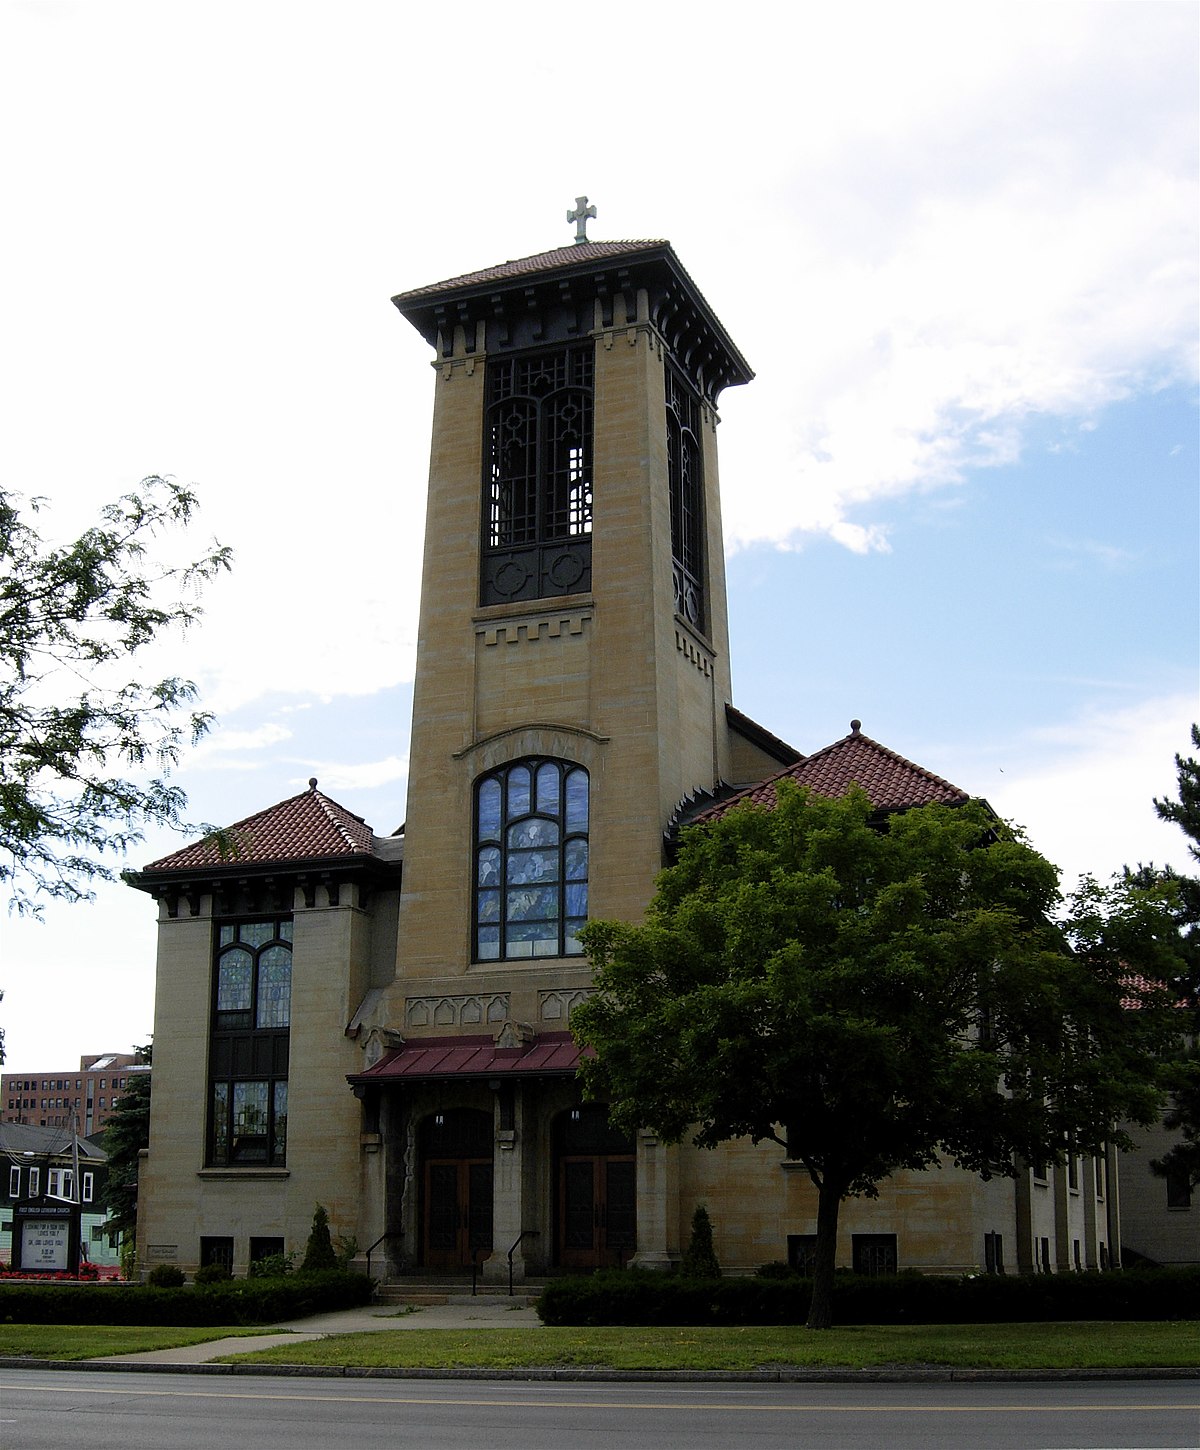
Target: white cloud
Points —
{"points": [[1031, 250], [925, 225], [224, 742], [1109, 556], [1084, 788], [365, 776]]}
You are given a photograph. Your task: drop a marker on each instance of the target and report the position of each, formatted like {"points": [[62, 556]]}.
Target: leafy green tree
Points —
{"points": [[83, 748], [125, 1135], [872, 996], [1185, 813], [1183, 893], [319, 1251]]}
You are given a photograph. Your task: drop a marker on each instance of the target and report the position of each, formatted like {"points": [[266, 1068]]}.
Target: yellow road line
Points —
{"points": [[676, 1406]]}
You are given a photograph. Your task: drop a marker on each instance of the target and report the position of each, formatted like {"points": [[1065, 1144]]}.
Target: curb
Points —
{"points": [[898, 1375]]}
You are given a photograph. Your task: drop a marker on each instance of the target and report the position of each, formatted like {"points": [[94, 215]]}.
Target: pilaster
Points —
{"points": [[657, 1203]]}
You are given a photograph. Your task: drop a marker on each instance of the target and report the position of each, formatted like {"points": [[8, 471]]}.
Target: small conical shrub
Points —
{"points": [[700, 1261], [318, 1252]]}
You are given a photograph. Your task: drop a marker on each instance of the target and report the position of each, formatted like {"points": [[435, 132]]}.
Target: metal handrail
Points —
{"points": [[526, 1233], [391, 1233]]}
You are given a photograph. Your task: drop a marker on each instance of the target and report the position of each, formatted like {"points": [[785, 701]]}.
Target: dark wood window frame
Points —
{"points": [[685, 474], [537, 482], [249, 1043], [216, 1249], [874, 1254]]}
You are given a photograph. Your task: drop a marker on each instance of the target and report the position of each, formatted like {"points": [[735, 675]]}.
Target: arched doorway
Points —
{"points": [[455, 1150], [596, 1182]]}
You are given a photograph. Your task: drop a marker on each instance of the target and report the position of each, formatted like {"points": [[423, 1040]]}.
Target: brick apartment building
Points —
{"points": [[49, 1099]]}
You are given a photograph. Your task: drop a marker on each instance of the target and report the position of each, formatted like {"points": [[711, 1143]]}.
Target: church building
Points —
{"points": [[381, 1024]]}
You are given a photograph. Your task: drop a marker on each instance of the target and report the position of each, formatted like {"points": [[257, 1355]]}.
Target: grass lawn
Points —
{"points": [[982, 1346], [91, 1341], [999, 1346]]}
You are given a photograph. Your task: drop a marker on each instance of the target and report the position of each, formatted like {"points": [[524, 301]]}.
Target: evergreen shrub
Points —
{"points": [[235, 1301], [212, 1274], [700, 1259], [632, 1296], [165, 1276], [319, 1251]]}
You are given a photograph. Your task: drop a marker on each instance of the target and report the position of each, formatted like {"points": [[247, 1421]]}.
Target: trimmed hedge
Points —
{"points": [[237, 1301], [632, 1296]]}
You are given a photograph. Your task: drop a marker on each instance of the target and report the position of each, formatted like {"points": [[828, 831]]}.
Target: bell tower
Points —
{"points": [[573, 676]]}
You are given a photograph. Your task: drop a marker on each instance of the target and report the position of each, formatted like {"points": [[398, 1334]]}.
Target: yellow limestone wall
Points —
{"points": [[755, 1199], [179, 1198], [609, 679]]}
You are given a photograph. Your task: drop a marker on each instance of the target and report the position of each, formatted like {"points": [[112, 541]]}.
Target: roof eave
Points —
{"points": [[428, 308], [176, 877]]}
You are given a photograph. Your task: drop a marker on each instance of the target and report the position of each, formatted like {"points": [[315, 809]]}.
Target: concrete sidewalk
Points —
{"points": [[484, 1312]]}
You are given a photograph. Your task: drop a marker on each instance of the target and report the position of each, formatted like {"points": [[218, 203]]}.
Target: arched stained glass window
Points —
{"points": [[248, 1046], [531, 860]]}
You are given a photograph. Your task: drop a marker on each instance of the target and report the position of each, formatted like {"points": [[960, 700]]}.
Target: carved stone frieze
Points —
{"points": [[690, 650], [476, 1009], [530, 631], [557, 1004]]}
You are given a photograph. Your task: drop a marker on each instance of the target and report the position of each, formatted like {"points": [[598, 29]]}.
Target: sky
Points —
{"points": [[957, 243]]}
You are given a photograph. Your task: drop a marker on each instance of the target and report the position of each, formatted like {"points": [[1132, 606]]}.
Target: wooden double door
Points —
{"points": [[597, 1211], [456, 1189], [458, 1211], [596, 1177]]}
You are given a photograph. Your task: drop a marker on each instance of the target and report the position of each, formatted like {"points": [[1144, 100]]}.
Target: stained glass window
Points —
{"points": [[279, 1122], [531, 860], [248, 1049], [220, 1122], [274, 987], [235, 981]]}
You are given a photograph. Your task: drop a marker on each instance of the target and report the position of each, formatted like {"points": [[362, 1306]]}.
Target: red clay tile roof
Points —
{"points": [[305, 827], [571, 256], [891, 782], [550, 1054]]}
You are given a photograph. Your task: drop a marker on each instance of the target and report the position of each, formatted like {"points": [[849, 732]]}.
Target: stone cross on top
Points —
{"points": [[580, 217]]}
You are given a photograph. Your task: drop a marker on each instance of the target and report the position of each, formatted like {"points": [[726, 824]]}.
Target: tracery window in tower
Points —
{"points": [[531, 860], [538, 475], [685, 478], [248, 1053]]}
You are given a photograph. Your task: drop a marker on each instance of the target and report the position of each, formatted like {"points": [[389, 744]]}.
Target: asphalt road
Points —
{"points": [[66, 1410]]}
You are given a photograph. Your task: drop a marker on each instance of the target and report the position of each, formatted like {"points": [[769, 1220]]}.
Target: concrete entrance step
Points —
{"points": [[423, 1293]]}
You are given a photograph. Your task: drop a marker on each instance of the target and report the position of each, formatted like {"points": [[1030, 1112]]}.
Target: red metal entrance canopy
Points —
{"points": [[550, 1054]]}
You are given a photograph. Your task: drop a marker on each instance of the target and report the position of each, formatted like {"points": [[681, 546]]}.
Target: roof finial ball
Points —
{"points": [[580, 217], [855, 726], [312, 782]]}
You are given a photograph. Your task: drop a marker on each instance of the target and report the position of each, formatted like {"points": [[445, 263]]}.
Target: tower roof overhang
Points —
{"points": [[569, 292]]}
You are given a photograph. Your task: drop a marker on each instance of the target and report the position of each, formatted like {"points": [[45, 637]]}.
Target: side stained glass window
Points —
{"points": [[248, 1047], [531, 860]]}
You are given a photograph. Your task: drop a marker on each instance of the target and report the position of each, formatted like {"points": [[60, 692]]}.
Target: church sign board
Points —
{"points": [[46, 1237]]}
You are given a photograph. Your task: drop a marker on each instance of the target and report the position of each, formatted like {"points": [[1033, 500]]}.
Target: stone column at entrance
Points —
{"points": [[513, 1128], [657, 1203]]}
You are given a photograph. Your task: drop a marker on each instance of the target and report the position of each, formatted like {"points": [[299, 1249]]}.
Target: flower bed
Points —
{"points": [[88, 1274]]}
